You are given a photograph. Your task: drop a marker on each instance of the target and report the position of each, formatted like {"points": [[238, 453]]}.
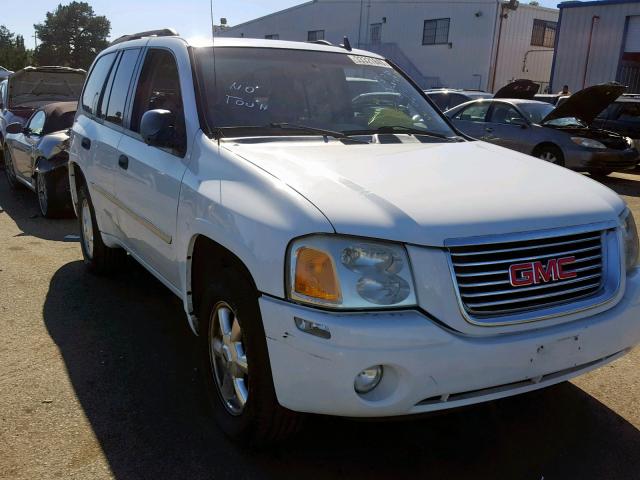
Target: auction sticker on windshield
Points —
{"points": [[374, 62]]}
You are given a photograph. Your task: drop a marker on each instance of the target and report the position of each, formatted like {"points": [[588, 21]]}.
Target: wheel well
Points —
{"points": [[542, 145], [208, 258]]}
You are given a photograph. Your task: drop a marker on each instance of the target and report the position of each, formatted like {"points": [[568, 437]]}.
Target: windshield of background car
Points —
{"points": [[348, 93], [535, 112]]}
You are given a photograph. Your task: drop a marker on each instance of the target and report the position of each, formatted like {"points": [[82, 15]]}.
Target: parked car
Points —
{"points": [[447, 98], [622, 116], [4, 73], [36, 156], [32, 87], [563, 135], [340, 257]]}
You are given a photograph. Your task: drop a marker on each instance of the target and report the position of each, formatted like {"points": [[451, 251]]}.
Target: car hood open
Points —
{"points": [[586, 104], [427, 193], [523, 89], [45, 84]]}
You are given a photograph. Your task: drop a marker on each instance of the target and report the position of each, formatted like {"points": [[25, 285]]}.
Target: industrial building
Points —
{"points": [[473, 44], [598, 42]]}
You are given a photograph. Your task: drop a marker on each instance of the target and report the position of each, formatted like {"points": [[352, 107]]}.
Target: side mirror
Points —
{"points": [[521, 122], [15, 128], [157, 128]]}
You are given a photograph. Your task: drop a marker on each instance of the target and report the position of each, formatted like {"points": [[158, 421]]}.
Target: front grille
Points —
{"points": [[482, 273]]}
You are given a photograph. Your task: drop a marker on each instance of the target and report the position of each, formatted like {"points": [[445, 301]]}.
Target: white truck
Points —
{"points": [[343, 252]]}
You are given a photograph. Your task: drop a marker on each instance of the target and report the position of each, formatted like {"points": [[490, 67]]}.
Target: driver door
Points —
{"points": [[148, 178], [25, 143]]}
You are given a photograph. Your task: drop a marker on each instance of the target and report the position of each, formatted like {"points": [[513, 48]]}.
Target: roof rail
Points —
{"points": [[163, 32], [321, 42]]}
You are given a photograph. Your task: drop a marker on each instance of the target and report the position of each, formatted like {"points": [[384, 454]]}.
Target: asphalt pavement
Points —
{"points": [[98, 379]]}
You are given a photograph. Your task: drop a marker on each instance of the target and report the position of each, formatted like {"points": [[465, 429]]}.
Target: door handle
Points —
{"points": [[86, 143], [488, 129], [123, 161]]}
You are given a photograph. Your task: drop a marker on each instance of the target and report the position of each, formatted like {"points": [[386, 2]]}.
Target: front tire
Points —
{"points": [[550, 153], [235, 364], [9, 169], [98, 258], [52, 204]]}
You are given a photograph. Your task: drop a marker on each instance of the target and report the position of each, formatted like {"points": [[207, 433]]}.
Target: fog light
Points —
{"points": [[368, 379]]}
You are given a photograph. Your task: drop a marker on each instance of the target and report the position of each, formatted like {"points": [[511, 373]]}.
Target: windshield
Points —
{"points": [[536, 112], [262, 87]]}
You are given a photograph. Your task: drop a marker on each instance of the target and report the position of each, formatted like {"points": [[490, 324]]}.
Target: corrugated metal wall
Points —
{"points": [[517, 57], [606, 44], [464, 62]]}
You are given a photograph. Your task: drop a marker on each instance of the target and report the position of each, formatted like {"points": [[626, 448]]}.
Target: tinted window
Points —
{"points": [[473, 113], [456, 99], [504, 114], [94, 88], [159, 88], [440, 99], [628, 112], [120, 87], [36, 124]]}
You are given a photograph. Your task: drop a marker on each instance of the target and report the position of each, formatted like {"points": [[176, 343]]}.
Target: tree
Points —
{"points": [[13, 54], [71, 36]]}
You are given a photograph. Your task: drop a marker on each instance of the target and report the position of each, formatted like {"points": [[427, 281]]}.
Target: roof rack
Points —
{"points": [[321, 42], [163, 32]]}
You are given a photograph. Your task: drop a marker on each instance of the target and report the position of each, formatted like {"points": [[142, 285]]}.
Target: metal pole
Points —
{"points": [[594, 20]]}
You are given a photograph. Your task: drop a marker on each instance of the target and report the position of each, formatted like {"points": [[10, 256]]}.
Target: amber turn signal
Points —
{"points": [[315, 276]]}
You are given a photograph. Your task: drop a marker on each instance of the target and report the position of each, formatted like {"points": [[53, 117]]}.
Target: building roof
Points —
{"points": [[593, 3]]}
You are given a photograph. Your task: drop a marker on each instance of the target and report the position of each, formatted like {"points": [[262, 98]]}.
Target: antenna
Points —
{"points": [[213, 53]]}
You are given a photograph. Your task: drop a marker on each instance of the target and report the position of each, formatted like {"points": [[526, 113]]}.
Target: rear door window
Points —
{"points": [[473, 113], [120, 86], [95, 86]]}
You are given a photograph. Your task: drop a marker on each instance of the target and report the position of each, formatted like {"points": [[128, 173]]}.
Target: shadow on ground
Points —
{"points": [[623, 186], [21, 205], [131, 360]]}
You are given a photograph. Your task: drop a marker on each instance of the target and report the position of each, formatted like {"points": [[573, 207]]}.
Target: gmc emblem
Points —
{"points": [[533, 273]]}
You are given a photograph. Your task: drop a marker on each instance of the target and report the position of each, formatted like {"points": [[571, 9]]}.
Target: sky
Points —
{"points": [[189, 17]]}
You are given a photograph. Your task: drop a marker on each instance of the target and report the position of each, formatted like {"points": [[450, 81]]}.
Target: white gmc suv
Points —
{"points": [[339, 247]]}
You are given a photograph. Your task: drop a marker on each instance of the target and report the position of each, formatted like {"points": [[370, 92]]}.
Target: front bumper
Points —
{"points": [[594, 161], [428, 367]]}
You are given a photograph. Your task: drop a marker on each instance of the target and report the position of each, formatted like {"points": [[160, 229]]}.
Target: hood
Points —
{"points": [[586, 104], [523, 89], [425, 194], [44, 85]]}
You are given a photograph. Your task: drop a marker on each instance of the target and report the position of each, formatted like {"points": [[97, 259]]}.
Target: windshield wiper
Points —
{"points": [[402, 129], [295, 127]]}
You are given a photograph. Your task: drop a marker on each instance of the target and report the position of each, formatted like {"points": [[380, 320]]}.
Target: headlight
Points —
{"points": [[630, 238], [349, 273], [587, 142], [630, 142]]}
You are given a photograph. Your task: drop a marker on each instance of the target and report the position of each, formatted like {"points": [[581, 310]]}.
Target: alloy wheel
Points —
{"points": [[228, 358], [549, 157], [87, 228]]}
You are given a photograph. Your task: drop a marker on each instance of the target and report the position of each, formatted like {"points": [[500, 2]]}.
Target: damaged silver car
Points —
{"points": [[36, 156]]}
